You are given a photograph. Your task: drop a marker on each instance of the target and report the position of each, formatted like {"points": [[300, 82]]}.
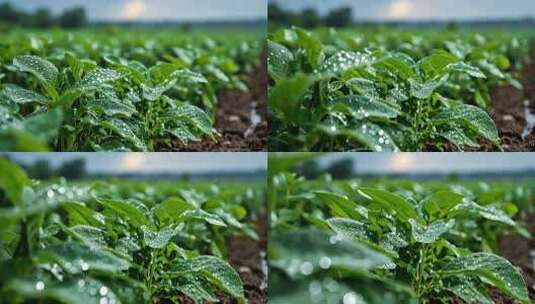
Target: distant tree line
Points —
{"points": [[339, 169], [309, 17], [42, 17], [41, 169]]}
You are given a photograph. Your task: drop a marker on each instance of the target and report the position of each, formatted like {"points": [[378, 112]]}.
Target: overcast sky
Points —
{"points": [[188, 10], [436, 162], [155, 162], [421, 9]]}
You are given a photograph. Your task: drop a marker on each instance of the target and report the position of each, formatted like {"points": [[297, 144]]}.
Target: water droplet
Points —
{"points": [[40, 285], [103, 301], [103, 290], [314, 288], [350, 298], [81, 283], [325, 262], [306, 268], [84, 265]]}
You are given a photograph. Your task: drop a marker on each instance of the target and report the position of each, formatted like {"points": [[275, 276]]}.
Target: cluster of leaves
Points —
{"points": [[119, 242], [389, 91], [392, 241], [88, 92]]}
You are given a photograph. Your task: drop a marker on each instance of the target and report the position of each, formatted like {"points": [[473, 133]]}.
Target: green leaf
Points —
{"points": [[44, 70], [171, 209], [473, 117], [440, 202], [362, 107], [349, 228], [391, 201], [113, 107], [216, 271], [89, 235], [77, 258], [368, 134], [202, 215], [287, 254], [467, 69], [158, 239], [189, 76], [487, 212], [399, 64], [73, 290], [285, 98], [312, 47], [183, 132], [457, 136], [470, 292], [80, 214], [435, 63], [343, 61], [195, 117], [338, 204], [425, 90], [21, 96], [196, 289], [13, 180], [40, 128], [99, 76], [430, 234], [153, 93], [279, 60], [126, 210], [494, 270], [124, 130]]}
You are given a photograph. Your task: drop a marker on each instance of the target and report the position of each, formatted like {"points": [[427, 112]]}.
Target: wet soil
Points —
{"points": [[240, 129], [508, 112], [247, 256]]}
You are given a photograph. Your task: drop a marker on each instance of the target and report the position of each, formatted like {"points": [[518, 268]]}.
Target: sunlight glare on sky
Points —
{"points": [[420, 9], [435, 162], [156, 10]]}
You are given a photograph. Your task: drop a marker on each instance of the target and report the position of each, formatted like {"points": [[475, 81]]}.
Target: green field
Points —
{"points": [[388, 89], [119, 241], [117, 89], [392, 240]]}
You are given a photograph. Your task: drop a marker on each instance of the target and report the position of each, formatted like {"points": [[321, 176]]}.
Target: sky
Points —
{"points": [[435, 162], [155, 162], [156, 10], [421, 9]]}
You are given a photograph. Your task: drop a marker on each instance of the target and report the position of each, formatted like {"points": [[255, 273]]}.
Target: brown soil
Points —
{"points": [[233, 119], [508, 112], [247, 256]]}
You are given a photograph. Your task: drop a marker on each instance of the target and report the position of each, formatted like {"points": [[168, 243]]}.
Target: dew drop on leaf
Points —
{"points": [[325, 262], [306, 268], [103, 291]]}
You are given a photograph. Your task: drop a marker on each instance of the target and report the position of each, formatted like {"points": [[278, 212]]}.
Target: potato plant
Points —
{"points": [[100, 91], [394, 241], [387, 91], [119, 242]]}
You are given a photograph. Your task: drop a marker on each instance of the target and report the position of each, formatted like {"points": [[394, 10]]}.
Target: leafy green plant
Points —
{"points": [[114, 95], [118, 243], [393, 241], [335, 92]]}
